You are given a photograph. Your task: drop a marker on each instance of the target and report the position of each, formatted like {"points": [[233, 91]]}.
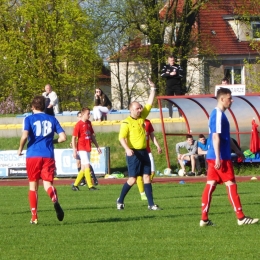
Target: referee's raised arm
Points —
{"points": [[152, 92]]}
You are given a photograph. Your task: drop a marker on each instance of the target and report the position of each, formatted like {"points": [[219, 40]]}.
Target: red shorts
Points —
{"points": [[40, 168], [224, 174]]}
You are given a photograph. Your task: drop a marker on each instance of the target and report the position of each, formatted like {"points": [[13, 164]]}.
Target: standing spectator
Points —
{"points": [[83, 135], [220, 168], [203, 149], [149, 134], [173, 74], [224, 81], [52, 101], [39, 130], [132, 138], [191, 146], [102, 105]]}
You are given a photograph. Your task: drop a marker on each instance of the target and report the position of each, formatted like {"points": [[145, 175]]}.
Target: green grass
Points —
{"points": [[94, 229], [117, 157]]}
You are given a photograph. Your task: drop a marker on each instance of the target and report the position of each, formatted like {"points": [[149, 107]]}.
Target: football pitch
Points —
{"points": [[94, 229]]}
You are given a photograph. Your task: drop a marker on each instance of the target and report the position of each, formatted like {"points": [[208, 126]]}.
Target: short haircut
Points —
{"points": [[84, 109], [38, 103], [78, 113], [201, 136], [223, 91], [171, 56], [189, 136], [225, 79]]}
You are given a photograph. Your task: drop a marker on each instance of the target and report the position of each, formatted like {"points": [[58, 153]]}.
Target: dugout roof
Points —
{"points": [[196, 110]]}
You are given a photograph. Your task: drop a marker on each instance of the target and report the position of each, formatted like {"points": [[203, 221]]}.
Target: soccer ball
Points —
{"points": [[181, 172], [167, 171]]}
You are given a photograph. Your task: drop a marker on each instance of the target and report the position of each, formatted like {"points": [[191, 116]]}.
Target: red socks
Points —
{"points": [[206, 199], [235, 200], [33, 200], [52, 194], [232, 195]]}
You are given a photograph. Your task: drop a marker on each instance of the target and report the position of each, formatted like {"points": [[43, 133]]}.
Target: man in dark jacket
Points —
{"points": [[173, 74]]}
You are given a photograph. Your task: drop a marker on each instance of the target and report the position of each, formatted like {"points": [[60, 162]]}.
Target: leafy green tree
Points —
{"points": [[247, 12], [47, 42]]}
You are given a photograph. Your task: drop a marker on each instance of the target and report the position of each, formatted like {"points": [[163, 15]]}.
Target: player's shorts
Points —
{"points": [[152, 162], [139, 163], [224, 174], [84, 157], [40, 168]]}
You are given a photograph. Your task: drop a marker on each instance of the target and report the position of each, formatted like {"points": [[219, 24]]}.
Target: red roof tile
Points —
{"points": [[224, 41]]}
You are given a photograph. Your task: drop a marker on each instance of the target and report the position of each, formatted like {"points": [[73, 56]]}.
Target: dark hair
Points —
{"points": [[84, 109], [201, 136], [38, 103], [101, 91], [223, 91], [78, 113], [225, 79], [188, 136], [171, 56]]}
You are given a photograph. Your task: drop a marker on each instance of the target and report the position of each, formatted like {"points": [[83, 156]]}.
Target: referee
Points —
{"points": [[133, 139]]}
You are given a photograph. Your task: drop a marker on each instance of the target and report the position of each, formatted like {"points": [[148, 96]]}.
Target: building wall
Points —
{"points": [[133, 74]]}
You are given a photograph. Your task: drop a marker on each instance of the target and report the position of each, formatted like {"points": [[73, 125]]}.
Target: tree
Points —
{"points": [[247, 12], [171, 19], [47, 42], [167, 25]]}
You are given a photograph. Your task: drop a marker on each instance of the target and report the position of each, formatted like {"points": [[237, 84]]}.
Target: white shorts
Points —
{"points": [[84, 157], [152, 162]]}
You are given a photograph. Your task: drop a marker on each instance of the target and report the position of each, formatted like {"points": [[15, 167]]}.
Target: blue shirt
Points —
{"points": [[41, 128], [218, 123], [203, 147]]}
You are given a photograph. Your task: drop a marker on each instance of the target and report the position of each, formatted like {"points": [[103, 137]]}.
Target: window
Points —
{"points": [[235, 74], [256, 29]]}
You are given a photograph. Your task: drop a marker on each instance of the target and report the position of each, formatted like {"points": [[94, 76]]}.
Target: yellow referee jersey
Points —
{"points": [[133, 130]]}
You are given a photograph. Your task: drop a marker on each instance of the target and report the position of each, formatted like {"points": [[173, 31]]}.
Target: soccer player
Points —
{"points": [[132, 139], [220, 168], [39, 130], [83, 181], [83, 135], [149, 134]]}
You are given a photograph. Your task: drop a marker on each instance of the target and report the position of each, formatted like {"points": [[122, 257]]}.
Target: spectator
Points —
{"points": [[192, 156], [82, 137], [202, 149], [149, 134], [234, 157], [224, 81], [39, 130], [51, 101], [132, 139], [173, 74], [102, 105]]}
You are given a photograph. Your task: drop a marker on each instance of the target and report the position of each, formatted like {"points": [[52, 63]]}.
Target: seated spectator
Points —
{"points": [[234, 157], [192, 156], [202, 149], [102, 105]]}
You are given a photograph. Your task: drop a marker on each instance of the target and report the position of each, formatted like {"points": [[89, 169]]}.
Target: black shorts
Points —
{"points": [[139, 163]]}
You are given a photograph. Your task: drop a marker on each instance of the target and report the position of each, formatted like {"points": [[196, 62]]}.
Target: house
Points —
{"points": [[230, 39], [222, 32]]}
